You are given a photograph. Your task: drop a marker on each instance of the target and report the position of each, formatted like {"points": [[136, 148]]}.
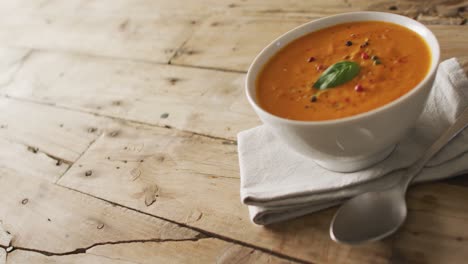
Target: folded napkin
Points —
{"points": [[278, 184]]}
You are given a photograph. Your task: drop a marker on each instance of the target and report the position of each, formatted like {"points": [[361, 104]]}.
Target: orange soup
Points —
{"points": [[367, 64]]}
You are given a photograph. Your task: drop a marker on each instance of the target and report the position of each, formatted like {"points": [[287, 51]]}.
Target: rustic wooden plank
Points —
{"points": [[62, 134], [145, 8], [122, 8], [49, 219], [438, 20], [20, 159], [202, 251], [453, 40], [446, 8], [43, 146], [194, 180], [68, 220], [153, 30], [232, 43], [436, 230], [20, 257], [152, 38], [203, 101]]}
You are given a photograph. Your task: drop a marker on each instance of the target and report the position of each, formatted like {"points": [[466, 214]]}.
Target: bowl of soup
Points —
{"points": [[343, 90]]}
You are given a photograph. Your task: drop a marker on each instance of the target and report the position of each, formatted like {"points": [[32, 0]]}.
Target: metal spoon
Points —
{"points": [[374, 215]]}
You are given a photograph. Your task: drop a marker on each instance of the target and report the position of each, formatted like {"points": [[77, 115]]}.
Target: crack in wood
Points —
{"points": [[84, 250], [80, 155], [178, 51], [208, 68], [58, 161], [203, 232]]}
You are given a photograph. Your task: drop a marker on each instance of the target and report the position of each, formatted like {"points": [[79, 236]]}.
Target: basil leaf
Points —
{"points": [[337, 74]]}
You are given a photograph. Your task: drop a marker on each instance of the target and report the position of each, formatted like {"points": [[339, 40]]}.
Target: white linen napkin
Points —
{"points": [[278, 184]]}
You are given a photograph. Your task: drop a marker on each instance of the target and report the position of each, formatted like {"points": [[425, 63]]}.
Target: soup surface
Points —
{"points": [[391, 60]]}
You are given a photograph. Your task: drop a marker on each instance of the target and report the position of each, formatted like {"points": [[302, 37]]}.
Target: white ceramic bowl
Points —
{"points": [[351, 143]]}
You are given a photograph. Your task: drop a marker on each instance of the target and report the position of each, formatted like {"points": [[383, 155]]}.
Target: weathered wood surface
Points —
{"points": [[15, 156], [153, 38], [61, 134], [154, 30], [203, 101], [47, 223], [116, 126], [238, 40], [207, 250]]}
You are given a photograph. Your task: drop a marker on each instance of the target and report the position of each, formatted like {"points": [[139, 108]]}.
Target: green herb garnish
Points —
{"points": [[337, 74]]}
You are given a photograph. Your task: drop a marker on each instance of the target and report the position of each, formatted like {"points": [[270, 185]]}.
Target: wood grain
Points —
{"points": [[436, 230], [233, 42], [20, 257], [62, 134], [203, 101], [119, 8], [72, 227], [152, 38], [225, 53], [197, 184], [463, 60], [17, 158], [154, 30], [202, 251], [68, 220]]}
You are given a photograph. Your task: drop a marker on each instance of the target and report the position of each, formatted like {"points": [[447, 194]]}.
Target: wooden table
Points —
{"points": [[118, 121]]}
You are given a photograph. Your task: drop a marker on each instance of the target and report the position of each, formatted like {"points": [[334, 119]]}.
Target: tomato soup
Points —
{"points": [[369, 64]]}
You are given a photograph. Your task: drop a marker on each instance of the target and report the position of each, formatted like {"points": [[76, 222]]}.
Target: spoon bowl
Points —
{"points": [[369, 217]]}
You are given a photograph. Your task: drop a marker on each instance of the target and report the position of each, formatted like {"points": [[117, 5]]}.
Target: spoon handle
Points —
{"points": [[449, 134]]}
